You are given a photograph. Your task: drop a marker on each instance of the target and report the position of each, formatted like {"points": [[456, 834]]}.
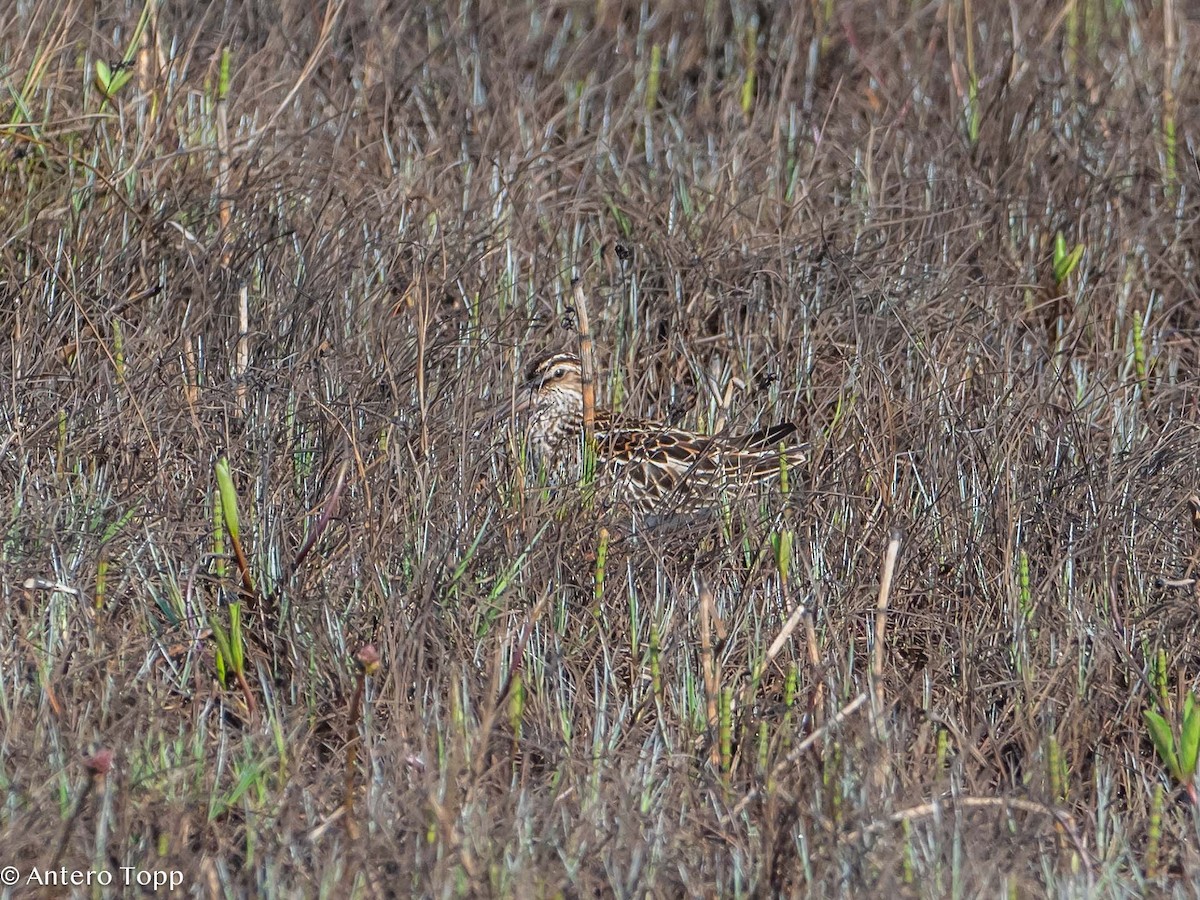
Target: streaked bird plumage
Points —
{"points": [[647, 465]]}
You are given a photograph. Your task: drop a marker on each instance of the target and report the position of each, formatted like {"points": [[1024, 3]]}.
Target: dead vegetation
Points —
{"points": [[956, 243]]}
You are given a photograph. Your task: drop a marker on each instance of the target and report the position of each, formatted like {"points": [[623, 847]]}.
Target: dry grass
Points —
{"points": [[845, 218]]}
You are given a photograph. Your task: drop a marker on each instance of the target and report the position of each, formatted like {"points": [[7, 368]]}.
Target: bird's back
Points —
{"points": [[651, 465]]}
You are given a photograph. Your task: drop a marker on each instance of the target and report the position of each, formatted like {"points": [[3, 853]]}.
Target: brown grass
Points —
{"points": [[847, 214]]}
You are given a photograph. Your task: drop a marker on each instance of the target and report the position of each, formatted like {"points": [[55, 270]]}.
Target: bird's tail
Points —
{"points": [[762, 456]]}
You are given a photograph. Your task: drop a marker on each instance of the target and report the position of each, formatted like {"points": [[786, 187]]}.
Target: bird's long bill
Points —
{"points": [[512, 405]]}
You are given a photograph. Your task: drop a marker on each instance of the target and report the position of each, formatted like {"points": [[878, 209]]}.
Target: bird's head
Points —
{"points": [[553, 381]]}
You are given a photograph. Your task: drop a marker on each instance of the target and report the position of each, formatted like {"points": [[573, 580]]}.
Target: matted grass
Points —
{"points": [[330, 264]]}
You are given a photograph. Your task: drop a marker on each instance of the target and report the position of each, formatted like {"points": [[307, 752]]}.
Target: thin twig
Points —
{"points": [[327, 514], [881, 607], [242, 354], [98, 766], [367, 662], [810, 741], [518, 657], [776, 646], [332, 9], [712, 681], [814, 660], [587, 365], [923, 810]]}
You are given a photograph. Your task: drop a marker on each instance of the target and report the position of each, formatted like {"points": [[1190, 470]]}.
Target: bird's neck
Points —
{"points": [[563, 409]]}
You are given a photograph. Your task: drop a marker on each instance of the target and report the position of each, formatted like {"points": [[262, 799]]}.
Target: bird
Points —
{"points": [[652, 468]]}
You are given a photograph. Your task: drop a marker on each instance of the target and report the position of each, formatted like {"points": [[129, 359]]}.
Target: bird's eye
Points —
{"points": [[559, 372]]}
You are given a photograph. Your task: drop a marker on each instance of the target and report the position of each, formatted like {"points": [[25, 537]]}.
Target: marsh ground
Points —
{"points": [[845, 214]]}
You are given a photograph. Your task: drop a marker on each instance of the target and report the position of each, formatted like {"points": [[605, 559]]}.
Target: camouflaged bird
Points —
{"points": [[653, 468]]}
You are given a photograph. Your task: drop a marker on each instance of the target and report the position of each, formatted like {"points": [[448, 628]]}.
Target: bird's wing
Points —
{"points": [[767, 438], [670, 466]]}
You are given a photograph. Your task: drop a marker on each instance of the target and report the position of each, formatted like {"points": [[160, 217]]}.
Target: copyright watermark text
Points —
{"points": [[122, 876]]}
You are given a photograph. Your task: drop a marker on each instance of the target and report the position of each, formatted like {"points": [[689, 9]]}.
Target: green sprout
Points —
{"points": [[231, 656], [1178, 752], [110, 79], [1065, 262], [110, 82]]}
